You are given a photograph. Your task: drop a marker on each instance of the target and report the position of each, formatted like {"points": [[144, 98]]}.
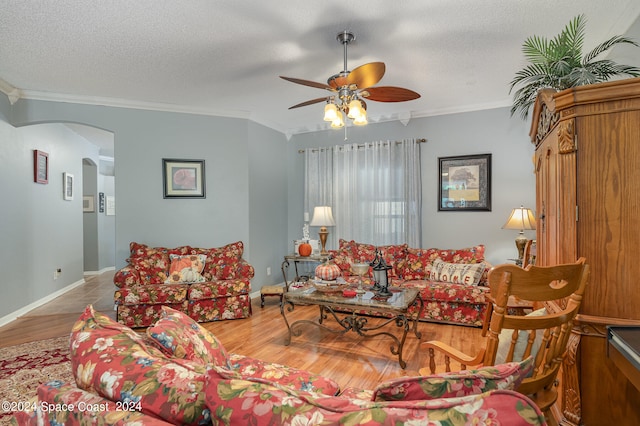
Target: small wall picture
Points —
{"points": [[101, 202], [464, 183], [183, 178], [67, 187], [40, 166], [88, 204]]}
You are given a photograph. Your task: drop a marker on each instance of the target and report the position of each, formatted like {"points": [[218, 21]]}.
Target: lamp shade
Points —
{"points": [[322, 216], [330, 112], [520, 218]]}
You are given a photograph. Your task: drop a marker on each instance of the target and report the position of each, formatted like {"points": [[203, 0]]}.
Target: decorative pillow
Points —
{"points": [[456, 273], [473, 254], [417, 264], [506, 335], [179, 336], [113, 361], [343, 259], [450, 385], [186, 269], [222, 262]]}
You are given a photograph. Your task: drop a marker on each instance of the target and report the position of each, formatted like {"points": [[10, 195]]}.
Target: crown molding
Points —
{"points": [[12, 92], [124, 103]]}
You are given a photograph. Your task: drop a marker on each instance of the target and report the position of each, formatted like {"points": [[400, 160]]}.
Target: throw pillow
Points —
{"points": [[179, 336], [115, 362], [224, 262], [506, 336], [186, 269], [450, 385], [456, 273]]}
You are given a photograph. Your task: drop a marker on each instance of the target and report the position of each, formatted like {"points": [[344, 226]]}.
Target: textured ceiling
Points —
{"points": [[224, 57]]}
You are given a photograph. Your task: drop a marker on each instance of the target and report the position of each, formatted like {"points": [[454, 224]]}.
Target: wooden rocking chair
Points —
{"points": [[543, 334]]}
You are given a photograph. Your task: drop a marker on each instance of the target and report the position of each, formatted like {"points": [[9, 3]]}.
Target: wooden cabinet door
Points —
{"points": [[556, 196]]}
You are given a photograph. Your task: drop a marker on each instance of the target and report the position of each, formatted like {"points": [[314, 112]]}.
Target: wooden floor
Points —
{"points": [[351, 360]]}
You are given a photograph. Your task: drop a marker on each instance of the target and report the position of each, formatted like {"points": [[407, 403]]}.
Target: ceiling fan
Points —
{"points": [[350, 88]]}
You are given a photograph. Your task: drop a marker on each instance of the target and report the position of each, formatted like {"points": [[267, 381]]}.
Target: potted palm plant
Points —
{"points": [[559, 64]]}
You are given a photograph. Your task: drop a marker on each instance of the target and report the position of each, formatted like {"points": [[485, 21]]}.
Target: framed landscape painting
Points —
{"points": [[464, 183], [183, 178]]}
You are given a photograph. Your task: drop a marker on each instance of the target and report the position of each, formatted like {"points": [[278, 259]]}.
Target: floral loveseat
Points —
{"points": [[208, 284], [179, 373], [452, 282]]}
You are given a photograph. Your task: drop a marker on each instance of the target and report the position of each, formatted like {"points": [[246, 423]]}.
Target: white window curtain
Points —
{"points": [[374, 190]]}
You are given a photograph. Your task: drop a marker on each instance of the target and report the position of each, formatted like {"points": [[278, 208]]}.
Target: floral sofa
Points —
{"points": [[452, 282], [208, 284], [179, 373]]}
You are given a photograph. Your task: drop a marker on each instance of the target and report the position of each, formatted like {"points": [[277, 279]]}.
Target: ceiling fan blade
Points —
{"points": [[311, 102], [366, 75], [389, 94], [308, 83]]}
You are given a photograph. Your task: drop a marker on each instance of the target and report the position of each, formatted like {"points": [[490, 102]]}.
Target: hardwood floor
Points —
{"points": [[351, 360]]}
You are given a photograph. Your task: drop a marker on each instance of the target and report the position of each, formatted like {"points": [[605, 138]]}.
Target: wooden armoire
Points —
{"points": [[587, 165]]}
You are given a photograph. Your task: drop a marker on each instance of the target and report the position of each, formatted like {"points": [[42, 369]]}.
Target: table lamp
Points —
{"points": [[322, 217], [521, 219]]}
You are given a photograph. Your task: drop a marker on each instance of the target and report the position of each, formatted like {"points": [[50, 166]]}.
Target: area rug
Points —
{"points": [[23, 367]]}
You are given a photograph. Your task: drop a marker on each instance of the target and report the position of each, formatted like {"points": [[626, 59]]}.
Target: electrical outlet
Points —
{"points": [[55, 275], [268, 271]]}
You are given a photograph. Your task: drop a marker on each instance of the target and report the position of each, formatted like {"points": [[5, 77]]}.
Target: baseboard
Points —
{"points": [[17, 314], [101, 271]]}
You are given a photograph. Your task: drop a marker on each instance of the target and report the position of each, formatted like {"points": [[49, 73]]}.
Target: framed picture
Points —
{"points": [[464, 183], [40, 166], [101, 202], [183, 178], [67, 186], [88, 204]]}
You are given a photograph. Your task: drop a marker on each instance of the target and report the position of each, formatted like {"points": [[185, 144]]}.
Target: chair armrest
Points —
{"points": [[126, 277], [449, 352], [245, 270]]}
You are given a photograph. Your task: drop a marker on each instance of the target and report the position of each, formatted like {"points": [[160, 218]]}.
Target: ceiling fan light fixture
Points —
{"points": [[338, 122], [330, 112], [350, 88], [361, 121], [355, 109]]}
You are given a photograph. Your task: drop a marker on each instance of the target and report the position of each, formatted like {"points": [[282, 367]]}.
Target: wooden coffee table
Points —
{"points": [[396, 307]]}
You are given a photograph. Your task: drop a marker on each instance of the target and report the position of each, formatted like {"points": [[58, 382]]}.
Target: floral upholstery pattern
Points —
{"points": [[169, 380], [113, 361], [225, 262], [220, 292], [179, 336], [443, 302], [103, 412], [259, 402], [455, 384], [244, 367]]}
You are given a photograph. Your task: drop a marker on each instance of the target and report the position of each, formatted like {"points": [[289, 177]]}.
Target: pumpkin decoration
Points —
{"points": [[328, 271], [305, 249]]}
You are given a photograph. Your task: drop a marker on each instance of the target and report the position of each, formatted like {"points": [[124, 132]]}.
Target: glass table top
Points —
{"points": [[400, 299]]}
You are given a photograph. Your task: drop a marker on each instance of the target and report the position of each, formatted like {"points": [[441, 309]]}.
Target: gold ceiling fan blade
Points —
{"points": [[389, 94], [366, 75], [311, 102], [308, 83]]}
